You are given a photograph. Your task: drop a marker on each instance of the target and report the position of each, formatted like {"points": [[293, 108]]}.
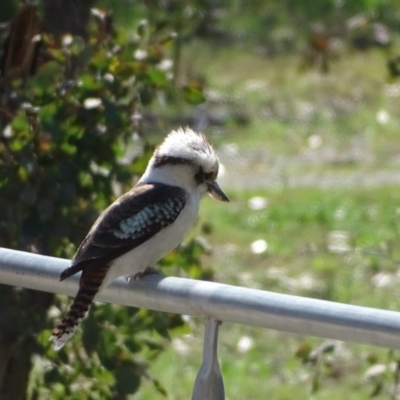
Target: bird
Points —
{"points": [[144, 224]]}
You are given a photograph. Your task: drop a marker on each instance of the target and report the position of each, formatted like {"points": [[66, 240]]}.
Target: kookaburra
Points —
{"points": [[144, 224]]}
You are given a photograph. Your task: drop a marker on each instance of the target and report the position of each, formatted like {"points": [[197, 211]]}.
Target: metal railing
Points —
{"points": [[216, 302]]}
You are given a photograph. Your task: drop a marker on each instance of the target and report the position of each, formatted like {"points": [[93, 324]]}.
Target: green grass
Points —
{"points": [[287, 105], [302, 227], [334, 236]]}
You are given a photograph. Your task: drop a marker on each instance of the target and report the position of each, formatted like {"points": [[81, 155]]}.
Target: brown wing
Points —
{"points": [[131, 220]]}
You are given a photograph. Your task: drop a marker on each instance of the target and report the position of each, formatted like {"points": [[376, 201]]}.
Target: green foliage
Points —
{"points": [[67, 135]]}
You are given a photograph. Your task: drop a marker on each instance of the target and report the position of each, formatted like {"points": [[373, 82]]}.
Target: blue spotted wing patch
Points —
{"points": [[143, 223], [131, 220]]}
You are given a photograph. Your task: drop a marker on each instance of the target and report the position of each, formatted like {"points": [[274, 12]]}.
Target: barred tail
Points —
{"points": [[90, 283]]}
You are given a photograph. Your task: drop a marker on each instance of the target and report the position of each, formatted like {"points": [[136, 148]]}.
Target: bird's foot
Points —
{"points": [[148, 271]]}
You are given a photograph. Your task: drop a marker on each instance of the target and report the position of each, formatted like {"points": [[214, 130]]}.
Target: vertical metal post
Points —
{"points": [[209, 383]]}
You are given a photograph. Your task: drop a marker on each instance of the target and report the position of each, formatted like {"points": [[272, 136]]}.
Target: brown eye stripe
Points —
{"points": [[159, 161]]}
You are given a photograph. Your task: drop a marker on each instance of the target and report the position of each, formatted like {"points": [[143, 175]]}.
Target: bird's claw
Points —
{"points": [[148, 271]]}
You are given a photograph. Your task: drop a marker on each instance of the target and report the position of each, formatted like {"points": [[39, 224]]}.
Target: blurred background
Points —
{"points": [[301, 99]]}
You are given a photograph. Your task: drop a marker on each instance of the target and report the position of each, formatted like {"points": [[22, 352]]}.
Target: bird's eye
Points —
{"points": [[200, 177], [209, 176]]}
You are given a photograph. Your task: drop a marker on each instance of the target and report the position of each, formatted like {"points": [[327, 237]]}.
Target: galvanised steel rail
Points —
{"points": [[215, 302]]}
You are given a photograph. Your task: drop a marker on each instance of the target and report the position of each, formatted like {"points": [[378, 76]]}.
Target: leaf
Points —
{"points": [[157, 77], [20, 123], [193, 93], [63, 355], [58, 54], [106, 349], [51, 375], [17, 145], [45, 77], [44, 337], [138, 166], [100, 60], [90, 82], [159, 387], [125, 70], [133, 345], [91, 332], [68, 148], [127, 381], [48, 112], [303, 351], [104, 376], [377, 390], [328, 347]]}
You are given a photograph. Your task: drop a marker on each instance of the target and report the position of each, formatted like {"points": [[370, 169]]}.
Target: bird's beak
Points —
{"points": [[216, 192]]}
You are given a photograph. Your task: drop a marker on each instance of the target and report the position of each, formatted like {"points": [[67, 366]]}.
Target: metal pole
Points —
{"points": [[217, 301], [209, 384]]}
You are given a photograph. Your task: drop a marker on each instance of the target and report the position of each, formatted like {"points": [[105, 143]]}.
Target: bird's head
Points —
{"points": [[186, 158]]}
